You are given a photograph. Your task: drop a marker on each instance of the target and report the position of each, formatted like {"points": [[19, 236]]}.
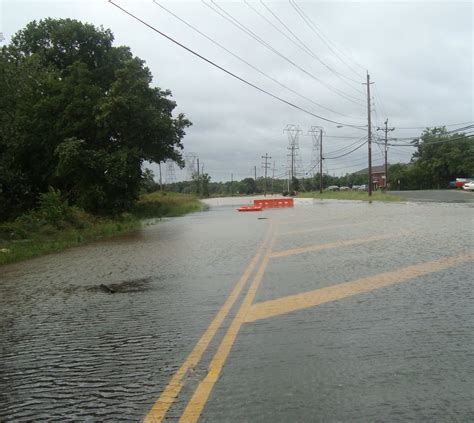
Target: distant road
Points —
{"points": [[439, 196]]}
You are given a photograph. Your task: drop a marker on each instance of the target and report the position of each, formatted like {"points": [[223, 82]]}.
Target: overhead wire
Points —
{"points": [[325, 39], [227, 16], [432, 126], [229, 72], [248, 63], [345, 154], [302, 45]]}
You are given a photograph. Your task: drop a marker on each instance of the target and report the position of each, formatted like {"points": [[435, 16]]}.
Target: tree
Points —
{"points": [[247, 186], [79, 115], [441, 157]]}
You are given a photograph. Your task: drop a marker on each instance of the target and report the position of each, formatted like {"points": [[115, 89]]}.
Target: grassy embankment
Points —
{"points": [[352, 195], [55, 226]]}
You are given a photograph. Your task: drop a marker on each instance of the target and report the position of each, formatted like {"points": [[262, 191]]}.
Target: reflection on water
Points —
{"points": [[97, 331]]}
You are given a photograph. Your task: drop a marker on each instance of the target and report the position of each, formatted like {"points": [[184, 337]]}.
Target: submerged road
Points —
{"points": [[333, 311]]}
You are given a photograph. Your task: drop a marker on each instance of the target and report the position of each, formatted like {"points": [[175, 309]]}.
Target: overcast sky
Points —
{"points": [[418, 53]]}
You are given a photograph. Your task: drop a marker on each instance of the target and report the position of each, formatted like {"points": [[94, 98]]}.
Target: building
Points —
{"points": [[378, 175]]}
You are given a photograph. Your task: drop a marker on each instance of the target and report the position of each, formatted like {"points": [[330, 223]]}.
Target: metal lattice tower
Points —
{"points": [[315, 154], [190, 164], [293, 132], [170, 172]]}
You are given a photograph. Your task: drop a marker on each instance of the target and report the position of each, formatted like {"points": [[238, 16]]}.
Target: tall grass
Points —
{"points": [[166, 204], [352, 195], [55, 226]]}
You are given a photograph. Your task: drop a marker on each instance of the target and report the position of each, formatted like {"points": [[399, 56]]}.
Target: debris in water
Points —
{"points": [[106, 288]]}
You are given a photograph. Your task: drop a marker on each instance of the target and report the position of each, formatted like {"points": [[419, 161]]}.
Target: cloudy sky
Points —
{"points": [[311, 54]]}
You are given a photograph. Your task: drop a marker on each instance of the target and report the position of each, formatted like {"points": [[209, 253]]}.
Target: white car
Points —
{"points": [[468, 186]]}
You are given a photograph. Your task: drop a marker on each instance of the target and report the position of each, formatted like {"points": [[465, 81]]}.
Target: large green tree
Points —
{"points": [[79, 115], [440, 157]]}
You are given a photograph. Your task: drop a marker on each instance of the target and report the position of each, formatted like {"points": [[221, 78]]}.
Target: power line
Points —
{"points": [[417, 144], [346, 154], [227, 16], [248, 63], [323, 38], [229, 72], [433, 126], [304, 47]]}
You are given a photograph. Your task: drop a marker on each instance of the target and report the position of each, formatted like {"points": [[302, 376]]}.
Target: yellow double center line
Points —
{"points": [[172, 390], [198, 401]]}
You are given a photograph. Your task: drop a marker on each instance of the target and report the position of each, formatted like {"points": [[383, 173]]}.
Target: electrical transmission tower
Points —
{"points": [[266, 166], [386, 130], [190, 160], [293, 132], [314, 131], [317, 153], [170, 172]]}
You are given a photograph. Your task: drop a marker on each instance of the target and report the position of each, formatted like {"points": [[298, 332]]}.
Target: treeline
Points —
{"points": [[79, 117], [440, 158], [249, 186]]}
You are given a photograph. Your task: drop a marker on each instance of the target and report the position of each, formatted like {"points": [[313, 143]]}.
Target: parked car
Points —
{"points": [[461, 181], [468, 186], [355, 187], [363, 188], [333, 188], [344, 188]]}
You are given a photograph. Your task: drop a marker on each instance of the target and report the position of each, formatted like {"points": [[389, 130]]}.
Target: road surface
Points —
{"points": [[335, 311]]}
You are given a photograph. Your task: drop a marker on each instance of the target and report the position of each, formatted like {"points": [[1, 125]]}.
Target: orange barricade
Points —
{"points": [[274, 202]]}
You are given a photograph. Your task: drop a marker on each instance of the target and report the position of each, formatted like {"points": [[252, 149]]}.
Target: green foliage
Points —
{"points": [[79, 115], [157, 204], [351, 195], [439, 159], [55, 225]]}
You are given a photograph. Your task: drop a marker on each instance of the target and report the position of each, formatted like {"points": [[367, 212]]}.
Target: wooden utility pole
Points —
{"points": [[369, 132], [161, 180], [265, 166], [386, 130], [231, 184], [273, 178], [198, 179], [321, 160]]}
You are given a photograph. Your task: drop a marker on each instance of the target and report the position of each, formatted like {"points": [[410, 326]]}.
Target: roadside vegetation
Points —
{"points": [[165, 204], [55, 225], [440, 156], [351, 195], [80, 119]]}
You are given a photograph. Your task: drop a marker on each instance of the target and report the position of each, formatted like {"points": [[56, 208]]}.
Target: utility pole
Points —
{"points": [[312, 131], [369, 132], [273, 178], [321, 161], [161, 180], [386, 130], [293, 132], [198, 179], [255, 177], [231, 184], [265, 166]]}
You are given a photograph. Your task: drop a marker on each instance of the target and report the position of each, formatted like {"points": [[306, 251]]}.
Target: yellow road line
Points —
{"points": [[319, 228], [337, 244], [296, 302], [168, 396], [198, 401]]}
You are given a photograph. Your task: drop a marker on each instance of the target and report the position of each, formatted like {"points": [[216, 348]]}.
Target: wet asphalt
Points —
{"points": [[97, 332]]}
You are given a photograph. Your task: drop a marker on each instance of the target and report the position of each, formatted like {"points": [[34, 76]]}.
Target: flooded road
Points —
{"points": [[333, 311]]}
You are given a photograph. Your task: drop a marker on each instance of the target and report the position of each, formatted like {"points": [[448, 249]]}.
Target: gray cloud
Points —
{"points": [[418, 53]]}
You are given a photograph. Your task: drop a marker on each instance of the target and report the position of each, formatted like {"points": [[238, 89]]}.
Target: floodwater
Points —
{"points": [[95, 333]]}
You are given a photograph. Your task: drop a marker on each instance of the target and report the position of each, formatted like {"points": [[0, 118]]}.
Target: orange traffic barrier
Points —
{"points": [[274, 202], [250, 208]]}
